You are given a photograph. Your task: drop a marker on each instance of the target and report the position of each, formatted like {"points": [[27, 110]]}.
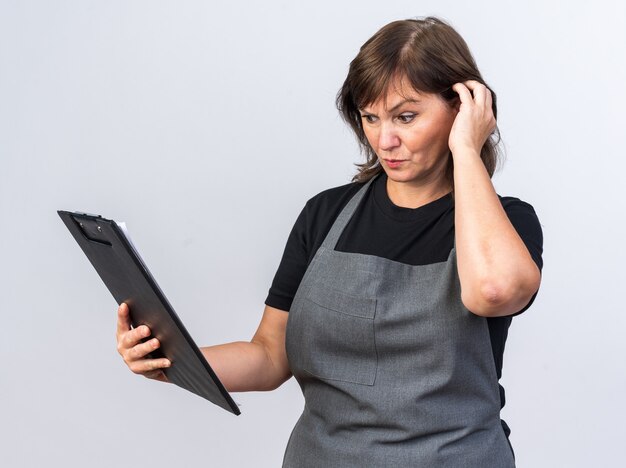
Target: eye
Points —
{"points": [[369, 118], [406, 117]]}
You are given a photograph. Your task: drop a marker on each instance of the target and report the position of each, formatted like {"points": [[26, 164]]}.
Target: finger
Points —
{"points": [[483, 94], [488, 99], [123, 318], [134, 336], [142, 349], [463, 92], [149, 365], [473, 84], [479, 91]]}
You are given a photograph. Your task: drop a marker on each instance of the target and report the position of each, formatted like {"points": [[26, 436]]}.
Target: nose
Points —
{"points": [[388, 138]]}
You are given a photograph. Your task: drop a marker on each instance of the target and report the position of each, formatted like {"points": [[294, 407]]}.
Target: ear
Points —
{"points": [[456, 104]]}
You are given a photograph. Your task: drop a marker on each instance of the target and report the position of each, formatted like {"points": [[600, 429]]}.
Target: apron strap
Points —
{"points": [[344, 217]]}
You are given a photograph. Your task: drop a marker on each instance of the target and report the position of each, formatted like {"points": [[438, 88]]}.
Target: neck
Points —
{"points": [[415, 194]]}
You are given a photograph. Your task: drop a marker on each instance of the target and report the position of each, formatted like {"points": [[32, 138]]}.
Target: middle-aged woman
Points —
{"points": [[395, 292]]}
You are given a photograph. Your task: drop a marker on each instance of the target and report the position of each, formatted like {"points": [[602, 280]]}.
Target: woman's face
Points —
{"points": [[409, 133]]}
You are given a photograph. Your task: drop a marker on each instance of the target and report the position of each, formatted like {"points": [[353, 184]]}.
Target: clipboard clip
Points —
{"points": [[91, 228]]}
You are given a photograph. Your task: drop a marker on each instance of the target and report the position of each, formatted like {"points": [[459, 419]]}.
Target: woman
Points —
{"points": [[400, 286]]}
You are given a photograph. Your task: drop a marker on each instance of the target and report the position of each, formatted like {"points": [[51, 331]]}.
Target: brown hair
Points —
{"points": [[432, 56]]}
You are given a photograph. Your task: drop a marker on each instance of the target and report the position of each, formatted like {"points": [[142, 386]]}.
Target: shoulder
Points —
{"points": [[306, 236], [514, 204], [521, 213], [333, 198], [319, 213]]}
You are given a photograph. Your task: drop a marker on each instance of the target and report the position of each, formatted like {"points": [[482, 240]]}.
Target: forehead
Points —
{"points": [[400, 90]]}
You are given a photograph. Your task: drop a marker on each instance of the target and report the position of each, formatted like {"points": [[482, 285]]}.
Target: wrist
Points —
{"points": [[465, 152]]}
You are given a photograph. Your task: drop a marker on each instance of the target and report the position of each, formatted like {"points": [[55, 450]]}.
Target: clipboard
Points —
{"points": [[112, 253]]}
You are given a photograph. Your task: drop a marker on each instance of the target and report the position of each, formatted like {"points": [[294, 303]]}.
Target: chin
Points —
{"points": [[401, 176]]}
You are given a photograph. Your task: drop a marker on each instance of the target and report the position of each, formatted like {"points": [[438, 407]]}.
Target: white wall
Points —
{"points": [[206, 127]]}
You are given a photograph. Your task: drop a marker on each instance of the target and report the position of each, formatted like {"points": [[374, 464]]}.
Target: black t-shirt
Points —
{"points": [[418, 236]]}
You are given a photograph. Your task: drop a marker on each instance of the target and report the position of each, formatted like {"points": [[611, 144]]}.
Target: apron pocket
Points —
{"points": [[338, 342]]}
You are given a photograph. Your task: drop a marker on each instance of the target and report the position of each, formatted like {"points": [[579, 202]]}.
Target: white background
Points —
{"points": [[206, 128]]}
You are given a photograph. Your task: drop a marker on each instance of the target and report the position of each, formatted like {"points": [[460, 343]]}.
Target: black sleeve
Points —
{"points": [[524, 219], [307, 234], [292, 266]]}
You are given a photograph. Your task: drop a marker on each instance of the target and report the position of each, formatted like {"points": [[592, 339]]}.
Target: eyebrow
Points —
{"points": [[400, 104]]}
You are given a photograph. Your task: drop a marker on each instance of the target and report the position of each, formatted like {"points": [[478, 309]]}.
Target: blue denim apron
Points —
{"points": [[395, 371]]}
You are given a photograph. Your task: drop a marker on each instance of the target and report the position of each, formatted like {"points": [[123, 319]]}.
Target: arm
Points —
{"points": [[257, 365], [260, 364], [497, 274]]}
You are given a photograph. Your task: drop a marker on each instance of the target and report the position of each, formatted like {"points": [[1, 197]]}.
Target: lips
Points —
{"points": [[394, 163]]}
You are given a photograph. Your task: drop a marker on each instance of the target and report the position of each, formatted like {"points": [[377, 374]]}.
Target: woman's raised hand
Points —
{"points": [[134, 350], [475, 120]]}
